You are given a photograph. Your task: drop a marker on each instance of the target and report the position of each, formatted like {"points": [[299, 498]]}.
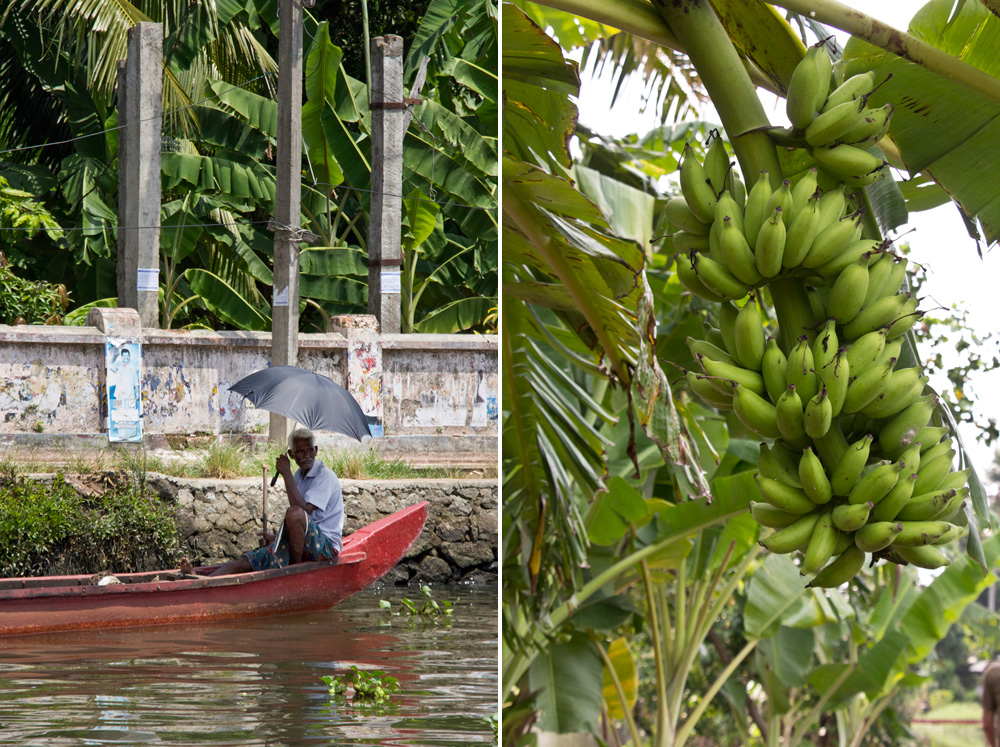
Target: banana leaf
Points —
{"points": [[318, 117], [456, 316], [334, 261], [338, 289], [225, 302], [940, 126], [259, 112], [626, 672]]}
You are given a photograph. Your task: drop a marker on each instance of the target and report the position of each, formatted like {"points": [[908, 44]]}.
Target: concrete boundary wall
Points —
{"points": [[433, 393]]}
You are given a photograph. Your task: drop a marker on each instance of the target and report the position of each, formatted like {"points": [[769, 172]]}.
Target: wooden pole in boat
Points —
{"points": [[264, 517]]}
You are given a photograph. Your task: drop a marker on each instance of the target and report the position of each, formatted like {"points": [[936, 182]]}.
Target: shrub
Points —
{"points": [[122, 530]]}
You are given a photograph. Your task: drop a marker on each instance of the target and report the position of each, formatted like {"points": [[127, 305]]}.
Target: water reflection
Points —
{"points": [[258, 682]]}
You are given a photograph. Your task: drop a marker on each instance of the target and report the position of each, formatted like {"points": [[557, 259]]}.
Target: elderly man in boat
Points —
{"points": [[314, 521]]}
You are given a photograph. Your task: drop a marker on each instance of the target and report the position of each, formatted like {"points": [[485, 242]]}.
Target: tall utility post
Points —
{"points": [[140, 112], [388, 113], [287, 211]]}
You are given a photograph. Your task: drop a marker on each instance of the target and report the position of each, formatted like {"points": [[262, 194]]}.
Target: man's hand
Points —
{"points": [[284, 465], [266, 538]]}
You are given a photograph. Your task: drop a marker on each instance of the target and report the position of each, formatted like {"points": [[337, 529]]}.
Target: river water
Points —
{"points": [[258, 682]]}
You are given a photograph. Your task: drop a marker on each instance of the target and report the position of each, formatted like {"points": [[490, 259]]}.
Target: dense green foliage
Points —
{"points": [[219, 145], [122, 530]]}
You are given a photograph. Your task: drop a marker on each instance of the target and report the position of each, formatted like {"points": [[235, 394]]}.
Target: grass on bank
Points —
{"points": [[231, 460]]}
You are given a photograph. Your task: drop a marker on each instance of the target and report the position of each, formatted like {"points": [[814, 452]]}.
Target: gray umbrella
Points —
{"points": [[315, 401]]}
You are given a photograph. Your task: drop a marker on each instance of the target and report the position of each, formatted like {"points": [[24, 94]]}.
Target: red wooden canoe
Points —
{"points": [[57, 603]]}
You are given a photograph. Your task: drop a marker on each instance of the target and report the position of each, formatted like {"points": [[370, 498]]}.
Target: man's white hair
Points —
{"points": [[301, 433]]}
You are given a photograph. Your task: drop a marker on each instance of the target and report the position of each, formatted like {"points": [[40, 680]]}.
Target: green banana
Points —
{"points": [[850, 90], [727, 326], [800, 371], [924, 557], [832, 239], [750, 337], [910, 459], [849, 468], [908, 316], [880, 313], [768, 516], [841, 160], [836, 376], [848, 517], [848, 256], [922, 507], [737, 188], [889, 279], [717, 163], [736, 253], [691, 282], [821, 545], [902, 429], [781, 198], [794, 537], [892, 504], [724, 372], [755, 412], [680, 215], [773, 367], [944, 446], [770, 246], [818, 415], [956, 480], [695, 186], [872, 126], [813, 478], [709, 350], [685, 243], [777, 463], [866, 386], [825, 345], [877, 535], [753, 212], [865, 350], [785, 497], [727, 207], [876, 484], [831, 205], [805, 188], [801, 234], [789, 415], [919, 533], [707, 392], [808, 87], [904, 387], [718, 278], [833, 122], [847, 295], [931, 436], [933, 471], [840, 570]]}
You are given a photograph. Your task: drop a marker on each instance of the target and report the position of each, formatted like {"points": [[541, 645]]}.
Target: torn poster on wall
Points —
{"points": [[123, 364]]}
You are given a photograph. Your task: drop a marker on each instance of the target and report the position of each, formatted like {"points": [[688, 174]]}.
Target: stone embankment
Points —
{"points": [[219, 519]]}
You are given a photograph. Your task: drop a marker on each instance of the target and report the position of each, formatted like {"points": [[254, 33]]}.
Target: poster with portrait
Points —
{"points": [[123, 364]]}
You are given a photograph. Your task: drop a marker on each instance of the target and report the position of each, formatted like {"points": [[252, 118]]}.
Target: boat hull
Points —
{"points": [[61, 603]]}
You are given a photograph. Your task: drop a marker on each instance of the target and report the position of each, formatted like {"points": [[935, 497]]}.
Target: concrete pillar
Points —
{"points": [[140, 112], [287, 207], [363, 364], [384, 235]]}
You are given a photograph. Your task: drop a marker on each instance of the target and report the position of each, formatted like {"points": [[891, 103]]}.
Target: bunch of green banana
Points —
{"points": [[855, 463], [836, 124]]}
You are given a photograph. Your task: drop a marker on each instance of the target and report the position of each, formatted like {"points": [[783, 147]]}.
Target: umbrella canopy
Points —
{"points": [[315, 401]]}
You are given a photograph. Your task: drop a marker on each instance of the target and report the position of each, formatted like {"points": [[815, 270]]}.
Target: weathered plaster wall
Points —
{"points": [[439, 385]]}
